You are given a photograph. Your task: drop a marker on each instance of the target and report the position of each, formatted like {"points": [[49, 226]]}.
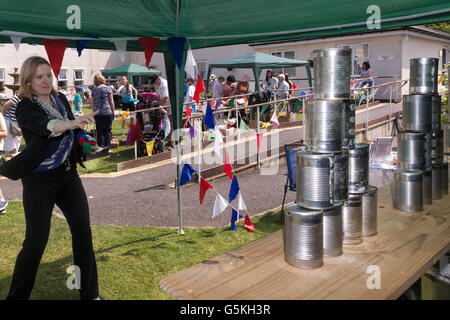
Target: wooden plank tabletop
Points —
{"points": [[406, 246]]}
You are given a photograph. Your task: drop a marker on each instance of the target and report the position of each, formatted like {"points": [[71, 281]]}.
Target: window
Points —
{"points": [[289, 54], [360, 53], [62, 78], [78, 77], [2, 77]]}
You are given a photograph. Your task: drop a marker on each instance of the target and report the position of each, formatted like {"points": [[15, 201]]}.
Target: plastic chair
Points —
{"points": [[291, 173]]}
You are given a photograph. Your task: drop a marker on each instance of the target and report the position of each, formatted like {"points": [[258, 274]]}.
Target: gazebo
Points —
{"points": [[131, 70], [258, 61]]}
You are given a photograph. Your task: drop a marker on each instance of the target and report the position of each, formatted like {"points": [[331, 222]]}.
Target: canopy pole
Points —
{"points": [[178, 146]]}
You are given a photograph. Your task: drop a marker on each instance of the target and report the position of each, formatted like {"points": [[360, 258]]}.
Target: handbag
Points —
{"points": [[15, 129]]}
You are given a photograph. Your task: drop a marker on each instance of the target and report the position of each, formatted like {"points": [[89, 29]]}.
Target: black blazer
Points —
{"points": [[33, 122]]}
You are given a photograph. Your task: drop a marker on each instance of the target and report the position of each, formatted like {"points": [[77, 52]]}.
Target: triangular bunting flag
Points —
{"points": [[274, 121], [243, 126], [82, 43], [186, 174], [217, 105], [204, 186], [227, 166], [209, 117], [218, 140], [149, 45], [191, 131], [121, 47], [188, 113], [219, 205], [241, 204], [248, 224], [55, 50], [198, 88], [16, 40], [191, 66], [149, 146], [234, 190], [177, 47], [234, 217], [258, 140], [166, 127]]}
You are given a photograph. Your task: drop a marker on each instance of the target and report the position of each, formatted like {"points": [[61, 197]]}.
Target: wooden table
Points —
{"points": [[406, 246]]}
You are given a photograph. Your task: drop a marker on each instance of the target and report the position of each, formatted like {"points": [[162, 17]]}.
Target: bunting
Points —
{"points": [[186, 174], [191, 66], [234, 218], [149, 146], [274, 120], [81, 44], [55, 50], [234, 190], [219, 205], [204, 186], [177, 47], [199, 88], [149, 45], [227, 166], [121, 47], [209, 117]]}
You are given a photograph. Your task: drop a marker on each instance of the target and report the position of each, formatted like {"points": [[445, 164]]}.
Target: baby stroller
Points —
{"points": [[151, 123]]}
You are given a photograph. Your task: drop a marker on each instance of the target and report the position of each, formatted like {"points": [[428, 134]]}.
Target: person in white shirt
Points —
{"points": [[283, 89], [217, 88], [270, 82], [190, 95]]}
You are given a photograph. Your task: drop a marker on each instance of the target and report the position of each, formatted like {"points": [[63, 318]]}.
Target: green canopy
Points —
{"points": [[258, 61], [130, 70]]}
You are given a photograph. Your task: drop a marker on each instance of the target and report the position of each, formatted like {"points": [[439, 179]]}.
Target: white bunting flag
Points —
{"points": [[220, 205], [218, 141], [16, 40], [241, 204], [191, 66], [121, 46]]}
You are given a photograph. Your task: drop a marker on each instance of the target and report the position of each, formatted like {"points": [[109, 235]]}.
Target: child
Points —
{"points": [[78, 102], [3, 134]]}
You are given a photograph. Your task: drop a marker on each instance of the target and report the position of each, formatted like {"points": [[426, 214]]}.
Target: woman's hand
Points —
{"points": [[82, 121]]}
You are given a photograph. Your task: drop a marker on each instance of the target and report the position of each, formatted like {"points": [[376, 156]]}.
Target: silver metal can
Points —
{"points": [[444, 178], [348, 124], [340, 176], [406, 186], [436, 188], [323, 125], [332, 231], [411, 150], [303, 237], [352, 220], [427, 186], [358, 168], [417, 113], [315, 180], [369, 212], [428, 149], [423, 75], [436, 109], [437, 147], [332, 70]]}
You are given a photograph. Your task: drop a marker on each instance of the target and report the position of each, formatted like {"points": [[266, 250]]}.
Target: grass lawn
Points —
{"points": [[130, 260]]}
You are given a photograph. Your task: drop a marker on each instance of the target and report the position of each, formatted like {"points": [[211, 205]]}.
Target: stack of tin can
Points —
{"points": [[420, 144], [323, 168]]}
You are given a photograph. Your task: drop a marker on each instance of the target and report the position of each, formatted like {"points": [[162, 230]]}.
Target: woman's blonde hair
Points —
{"points": [[99, 79], [27, 73]]}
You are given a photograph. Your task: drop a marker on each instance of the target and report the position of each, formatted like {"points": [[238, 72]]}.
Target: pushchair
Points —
{"points": [[151, 123]]}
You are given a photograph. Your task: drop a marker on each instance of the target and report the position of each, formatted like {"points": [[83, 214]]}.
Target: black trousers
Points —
{"points": [[41, 191], [103, 124]]}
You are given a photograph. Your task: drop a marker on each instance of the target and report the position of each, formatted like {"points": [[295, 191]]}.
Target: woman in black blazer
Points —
{"points": [[55, 143]]}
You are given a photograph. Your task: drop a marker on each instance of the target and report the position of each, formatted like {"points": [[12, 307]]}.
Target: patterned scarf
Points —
{"points": [[59, 149]]}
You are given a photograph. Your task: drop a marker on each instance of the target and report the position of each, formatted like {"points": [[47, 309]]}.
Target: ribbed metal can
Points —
{"points": [[437, 147], [417, 113], [406, 190], [444, 178], [423, 77], [348, 124], [411, 150], [303, 237], [315, 180], [323, 125], [427, 191], [436, 188], [436, 109], [332, 231], [332, 70], [369, 212], [352, 220], [358, 168], [341, 176], [428, 149]]}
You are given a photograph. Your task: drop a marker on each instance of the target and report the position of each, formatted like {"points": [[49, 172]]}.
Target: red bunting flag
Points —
{"points": [[188, 113], [258, 140], [149, 45], [248, 224], [55, 51], [204, 186], [198, 88], [227, 167]]}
